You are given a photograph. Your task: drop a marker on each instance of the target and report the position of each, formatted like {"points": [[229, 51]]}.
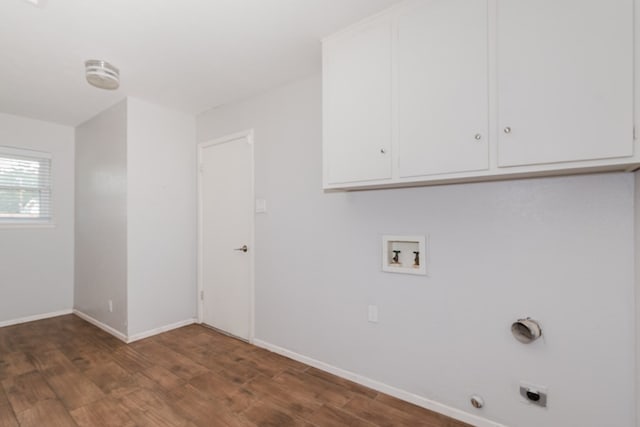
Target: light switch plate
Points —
{"points": [[373, 314], [261, 206]]}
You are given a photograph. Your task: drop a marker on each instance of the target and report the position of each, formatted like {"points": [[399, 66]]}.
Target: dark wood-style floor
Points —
{"points": [[66, 372]]}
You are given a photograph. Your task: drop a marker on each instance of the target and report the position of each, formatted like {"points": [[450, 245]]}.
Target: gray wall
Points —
{"points": [[161, 217], [101, 217], [135, 219], [557, 249], [36, 264]]}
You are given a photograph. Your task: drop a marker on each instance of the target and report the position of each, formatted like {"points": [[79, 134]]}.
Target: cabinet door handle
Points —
{"points": [[382, 151], [478, 137], [507, 130]]}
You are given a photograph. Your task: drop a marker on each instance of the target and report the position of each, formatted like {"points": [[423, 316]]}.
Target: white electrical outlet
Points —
{"points": [[373, 313], [110, 303]]}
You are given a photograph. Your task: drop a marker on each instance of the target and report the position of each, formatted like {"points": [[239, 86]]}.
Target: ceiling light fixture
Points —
{"points": [[101, 74], [37, 3]]}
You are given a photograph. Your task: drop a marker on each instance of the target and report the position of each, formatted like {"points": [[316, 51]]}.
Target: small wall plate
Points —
{"points": [[399, 254], [533, 394]]}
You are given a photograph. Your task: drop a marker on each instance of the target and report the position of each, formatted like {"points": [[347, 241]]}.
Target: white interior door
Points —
{"points": [[226, 234]]}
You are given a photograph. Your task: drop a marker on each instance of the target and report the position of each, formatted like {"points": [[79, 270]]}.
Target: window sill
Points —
{"points": [[10, 225]]}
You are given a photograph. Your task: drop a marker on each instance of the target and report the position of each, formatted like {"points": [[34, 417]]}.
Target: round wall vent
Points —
{"points": [[526, 330], [102, 74]]}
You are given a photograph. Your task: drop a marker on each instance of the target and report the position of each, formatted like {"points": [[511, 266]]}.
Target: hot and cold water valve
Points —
{"points": [[404, 254]]}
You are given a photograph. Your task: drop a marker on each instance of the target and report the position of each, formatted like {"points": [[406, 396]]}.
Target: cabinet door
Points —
{"points": [[357, 105], [442, 86], [565, 80]]}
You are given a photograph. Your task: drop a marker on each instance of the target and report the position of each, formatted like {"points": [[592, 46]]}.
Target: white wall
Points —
{"points": [[101, 217], [135, 217], [637, 292], [161, 196], [36, 264], [557, 249]]}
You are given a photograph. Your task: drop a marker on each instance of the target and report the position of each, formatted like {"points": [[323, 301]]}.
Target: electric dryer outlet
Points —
{"points": [[534, 394]]}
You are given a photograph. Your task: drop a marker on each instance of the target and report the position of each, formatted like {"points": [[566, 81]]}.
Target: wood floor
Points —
{"points": [[66, 372]]}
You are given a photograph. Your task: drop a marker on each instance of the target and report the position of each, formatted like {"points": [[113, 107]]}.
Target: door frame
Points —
{"points": [[248, 134]]}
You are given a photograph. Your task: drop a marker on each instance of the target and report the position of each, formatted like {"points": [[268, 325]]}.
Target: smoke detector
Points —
{"points": [[102, 75]]}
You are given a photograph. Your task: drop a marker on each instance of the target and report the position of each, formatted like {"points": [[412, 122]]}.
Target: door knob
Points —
{"points": [[244, 248]]}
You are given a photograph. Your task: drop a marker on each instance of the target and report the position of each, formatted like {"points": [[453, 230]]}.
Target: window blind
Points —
{"points": [[25, 185]]}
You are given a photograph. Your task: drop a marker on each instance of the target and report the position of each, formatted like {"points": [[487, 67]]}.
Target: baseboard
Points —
{"points": [[129, 339], [99, 324], [383, 388], [35, 317], [156, 331]]}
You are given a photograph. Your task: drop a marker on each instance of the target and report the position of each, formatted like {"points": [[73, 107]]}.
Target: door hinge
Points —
{"points": [[202, 295], [634, 134]]}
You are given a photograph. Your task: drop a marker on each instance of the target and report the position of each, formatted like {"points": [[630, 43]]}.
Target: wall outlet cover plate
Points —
{"points": [[533, 394]]}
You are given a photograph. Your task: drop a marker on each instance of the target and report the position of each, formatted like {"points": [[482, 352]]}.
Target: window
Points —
{"points": [[25, 186]]}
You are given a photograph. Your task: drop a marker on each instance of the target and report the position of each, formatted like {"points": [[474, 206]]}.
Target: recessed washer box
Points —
{"points": [[404, 254]]}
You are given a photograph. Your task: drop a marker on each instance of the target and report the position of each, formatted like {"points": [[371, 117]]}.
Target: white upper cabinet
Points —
{"points": [[357, 104], [442, 87], [444, 91], [565, 80]]}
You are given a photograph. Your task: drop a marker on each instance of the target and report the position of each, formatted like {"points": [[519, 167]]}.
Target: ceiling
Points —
{"points": [[189, 55]]}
